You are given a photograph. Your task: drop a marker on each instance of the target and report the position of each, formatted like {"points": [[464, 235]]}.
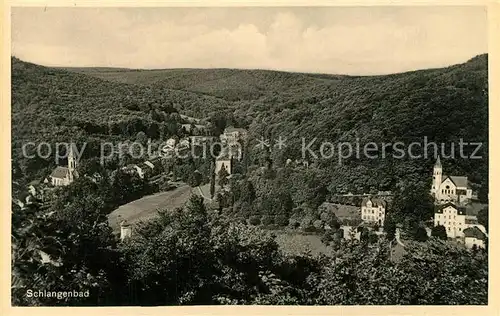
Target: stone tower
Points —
{"points": [[437, 176], [71, 162]]}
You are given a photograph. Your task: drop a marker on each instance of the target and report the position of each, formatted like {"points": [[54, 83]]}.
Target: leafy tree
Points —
{"points": [[412, 201], [365, 235], [281, 220], [267, 220], [212, 180], [141, 138], [390, 227], [372, 238], [254, 220], [420, 234], [358, 276], [439, 231], [482, 217], [69, 245], [223, 174], [195, 179]]}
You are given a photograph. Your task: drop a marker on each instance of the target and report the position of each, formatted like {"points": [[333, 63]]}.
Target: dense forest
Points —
{"points": [[196, 257], [444, 105]]}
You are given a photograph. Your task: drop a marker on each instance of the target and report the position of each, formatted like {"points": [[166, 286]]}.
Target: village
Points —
{"points": [[452, 195]]}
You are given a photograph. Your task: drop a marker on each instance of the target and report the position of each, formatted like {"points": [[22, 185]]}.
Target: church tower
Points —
{"points": [[71, 162], [437, 176]]}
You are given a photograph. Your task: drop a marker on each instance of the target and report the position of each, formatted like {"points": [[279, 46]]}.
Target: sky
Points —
{"points": [[338, 40]]}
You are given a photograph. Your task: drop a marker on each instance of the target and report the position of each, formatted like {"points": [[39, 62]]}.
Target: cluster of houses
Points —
{"points": [[42, 191], [451, 195], [232, 141], [370, 214], [146, 169]]}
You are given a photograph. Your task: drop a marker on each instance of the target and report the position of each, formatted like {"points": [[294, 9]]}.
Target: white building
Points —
{"points": [[455, 220], [140, 170], [62, 176], [221, 163], [373, 210], [473, 236], [233, 135], [170, 143], [125, 230], [449, 188]]}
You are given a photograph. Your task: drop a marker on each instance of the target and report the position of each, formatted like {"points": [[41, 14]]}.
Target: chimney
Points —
{"points": [[125, 230]]}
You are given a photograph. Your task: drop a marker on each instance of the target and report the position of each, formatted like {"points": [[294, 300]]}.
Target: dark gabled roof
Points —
{"points": [[474, 232], [459, 181], [60, 172], [376, 202], [341, 211], [460, 210]]}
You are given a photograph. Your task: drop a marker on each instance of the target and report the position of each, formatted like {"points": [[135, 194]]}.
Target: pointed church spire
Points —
{"points": [[71, 161], [438, 163]]}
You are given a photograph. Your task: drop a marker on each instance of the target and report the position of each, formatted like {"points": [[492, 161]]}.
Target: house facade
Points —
{"points": [[373, 210], [455, 220], [473, 236], [233, 135]]}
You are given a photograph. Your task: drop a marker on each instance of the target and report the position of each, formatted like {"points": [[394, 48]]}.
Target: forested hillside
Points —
{"points": [[50, 104], [444, 105]]}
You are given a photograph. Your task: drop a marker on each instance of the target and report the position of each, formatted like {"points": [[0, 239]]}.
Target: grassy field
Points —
{"points": [[146, 207], [295, 243]]}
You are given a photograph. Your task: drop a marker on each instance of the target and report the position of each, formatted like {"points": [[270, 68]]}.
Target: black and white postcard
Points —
{"points": [[250, 155]]}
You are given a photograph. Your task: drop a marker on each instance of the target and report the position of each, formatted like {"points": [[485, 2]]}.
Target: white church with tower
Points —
{"points": [[62, 176], [449, 189]]}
